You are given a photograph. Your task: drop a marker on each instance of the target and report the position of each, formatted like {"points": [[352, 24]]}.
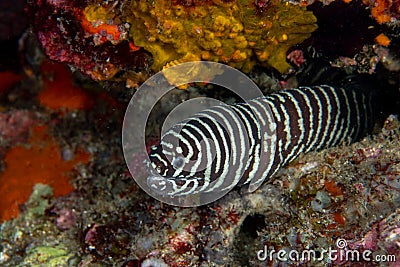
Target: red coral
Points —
{"points": [[67, 37], [333, 189], [59, 92], [232, 217], [261, 6], [384, 10], [40, 162], [181, 243]]}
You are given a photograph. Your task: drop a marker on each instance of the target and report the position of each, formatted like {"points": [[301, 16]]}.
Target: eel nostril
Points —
{"points": [[178, 162]]}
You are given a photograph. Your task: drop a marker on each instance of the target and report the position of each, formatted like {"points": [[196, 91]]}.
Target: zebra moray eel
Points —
{"points": [[203, 153]]}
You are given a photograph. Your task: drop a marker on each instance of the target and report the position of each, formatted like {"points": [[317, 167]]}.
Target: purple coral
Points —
{"points": [[14, 125], [296, 57], [14, 128], [65, 219], [261, 6]]}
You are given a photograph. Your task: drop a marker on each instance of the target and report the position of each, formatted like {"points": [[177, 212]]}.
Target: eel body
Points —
{"points": [[247, 143]]}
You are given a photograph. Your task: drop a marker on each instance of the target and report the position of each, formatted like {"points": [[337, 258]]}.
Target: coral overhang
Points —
{"points": [[238, 33], [102, 38]]}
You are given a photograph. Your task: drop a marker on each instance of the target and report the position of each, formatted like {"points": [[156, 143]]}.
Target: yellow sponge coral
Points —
{"points": [[236, 32]]}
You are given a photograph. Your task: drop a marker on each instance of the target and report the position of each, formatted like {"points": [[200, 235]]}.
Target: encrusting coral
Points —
{"points": [[91, 37], [384, 11], [103, 39], [237, 33]]}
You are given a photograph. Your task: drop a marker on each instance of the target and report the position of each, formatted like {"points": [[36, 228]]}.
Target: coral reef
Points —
{"points": [[26, 166], [384, 11], [127, 40], [92, 39], [92, 213], [231, 32], [14, 126], [382, 40], [44, 253], [337, 34], [59, 92], [349, 192], [49, 256]]}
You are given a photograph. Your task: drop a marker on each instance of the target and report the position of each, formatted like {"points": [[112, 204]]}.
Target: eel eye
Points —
{"points": [[178, 162]]}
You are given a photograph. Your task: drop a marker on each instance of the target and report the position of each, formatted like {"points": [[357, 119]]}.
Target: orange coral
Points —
{"points": [[339, 218], [106, 30], [381, 11], [333, 189], [41, 162], [59, 92], [382, 40]]}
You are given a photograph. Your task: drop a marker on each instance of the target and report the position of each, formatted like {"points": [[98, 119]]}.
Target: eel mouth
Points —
{"points": [[158, 184], [166, 186], [163, 186], [169, 186]]}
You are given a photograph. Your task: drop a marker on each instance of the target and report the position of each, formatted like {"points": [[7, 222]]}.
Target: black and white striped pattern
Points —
{"points": [[247, 143]]}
